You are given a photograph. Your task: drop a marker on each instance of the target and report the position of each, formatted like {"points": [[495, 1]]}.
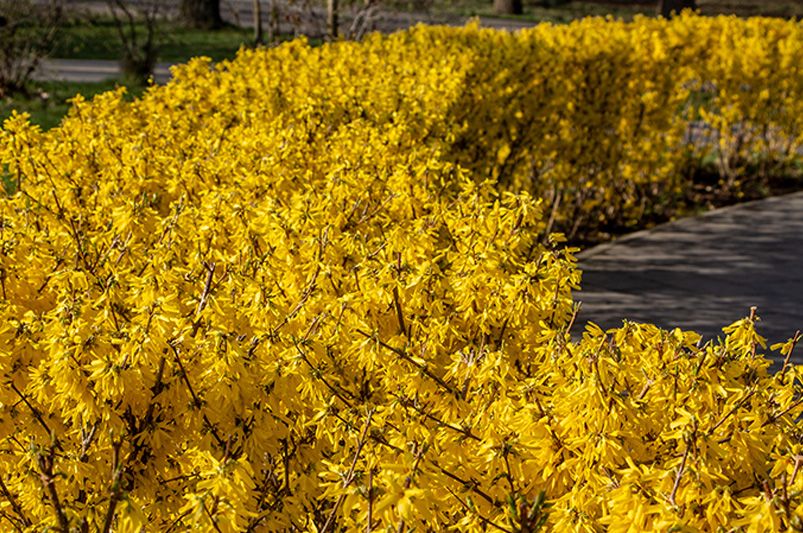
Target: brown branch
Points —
{"points": [[482, 518], [470, 485], [304, 297], [14, 505], [409, 403], [798, 461], [340, 393], [116, 489], [551, 421], [678, 476], [211, 518], [732, 411], [36, 414], [575, 312], [700, 364], [196, 401], [86, 441], [13, 521], [795, 340], [399, 313], [406, 357], [178, 519], [350, 476], [505, 454], [409, 480], [369, 524], [645, 390], [46, 476], [772, 418], [210, 273], [594, 360]]}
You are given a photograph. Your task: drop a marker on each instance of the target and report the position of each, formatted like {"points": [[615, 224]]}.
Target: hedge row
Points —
{"points": [[318, 289]]}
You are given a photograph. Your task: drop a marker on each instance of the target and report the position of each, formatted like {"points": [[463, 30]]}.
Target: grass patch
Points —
{"points": [[48, 102], [98, 39]]}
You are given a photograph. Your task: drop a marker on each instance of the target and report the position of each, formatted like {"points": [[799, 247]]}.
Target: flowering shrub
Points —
{"points": [[317, 289]]}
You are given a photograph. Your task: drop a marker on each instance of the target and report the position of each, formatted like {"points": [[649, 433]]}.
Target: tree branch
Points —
{"points": [[482, 518], [36, 415], [116, 489], [14, 505], [195, 400], [340, 393], [210, 273], [406, 357], [46, 476], [678, 476]]}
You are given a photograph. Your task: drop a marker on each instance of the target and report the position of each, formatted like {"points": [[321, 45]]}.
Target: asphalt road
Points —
{"points": [[704, 273]]}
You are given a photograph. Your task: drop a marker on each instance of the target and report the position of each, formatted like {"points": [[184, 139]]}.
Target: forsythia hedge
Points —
{"points": [[315, 289]]}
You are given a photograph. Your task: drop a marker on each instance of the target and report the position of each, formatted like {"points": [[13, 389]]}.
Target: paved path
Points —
{"points": [[239, 12], [704, 273], [89, 70]]}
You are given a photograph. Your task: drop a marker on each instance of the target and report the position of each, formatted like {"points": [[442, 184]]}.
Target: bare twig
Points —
{"points": [[679, 474], [340, 393], [413, 404], [405, 356], [399, 313], [86, 441], [37, 415], [14, 505], [409, 480], [370, 520], [509, 474], [798, 461], [482, 518], [350, 476], [645, 390], [575, 312], [772, 418], [210, 274], [471, 485], [732, 411], [795, 340], [594, 360], [211, 518], [195, 400], [48, 482], [116, 489]]}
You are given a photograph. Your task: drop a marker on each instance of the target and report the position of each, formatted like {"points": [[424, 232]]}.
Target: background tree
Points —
{"points": [[137, 27], [201, 14], [27, 32], [667, 7], [508, 7], [257, 11]]}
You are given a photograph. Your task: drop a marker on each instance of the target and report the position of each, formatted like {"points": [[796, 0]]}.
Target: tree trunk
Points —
{"points": [[201, 14], [666, 8], [258, 23], [508, 7], [331, 19], [273, 21]]}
